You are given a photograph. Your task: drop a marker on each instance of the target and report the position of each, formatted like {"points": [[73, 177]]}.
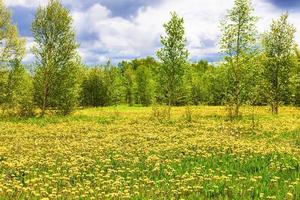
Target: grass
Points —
{"points": [[126, 153]]}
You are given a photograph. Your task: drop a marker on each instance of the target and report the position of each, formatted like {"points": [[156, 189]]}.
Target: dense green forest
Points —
{"points": [[257, 68]]}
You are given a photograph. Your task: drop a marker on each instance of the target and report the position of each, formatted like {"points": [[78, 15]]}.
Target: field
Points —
{"points": [[134, 153]]}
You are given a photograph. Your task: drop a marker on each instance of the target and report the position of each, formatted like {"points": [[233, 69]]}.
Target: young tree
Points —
{"points": [[12, 48], [278, 46], [237, 43], [218, 84], [129, 84], [173, 56], [142, 73], [145, 85], [113, 82], [94, 89], [58, 67], [296, 79], [201, 75], [19, 97]]}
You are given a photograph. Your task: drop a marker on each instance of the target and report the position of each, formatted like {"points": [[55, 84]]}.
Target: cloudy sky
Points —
{"points": [[127, 29]]}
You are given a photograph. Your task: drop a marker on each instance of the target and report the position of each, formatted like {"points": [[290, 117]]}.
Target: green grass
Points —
{"points": [[126, 153]]}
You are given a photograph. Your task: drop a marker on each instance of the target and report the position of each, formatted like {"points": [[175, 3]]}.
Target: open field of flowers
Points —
{"points": [[128, 153]]}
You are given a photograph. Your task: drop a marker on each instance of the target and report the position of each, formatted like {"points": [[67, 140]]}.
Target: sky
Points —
{"points": [[119, 30]]}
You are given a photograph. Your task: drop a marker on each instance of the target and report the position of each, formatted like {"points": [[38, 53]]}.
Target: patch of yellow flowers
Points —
{"points": [[127, 154]]}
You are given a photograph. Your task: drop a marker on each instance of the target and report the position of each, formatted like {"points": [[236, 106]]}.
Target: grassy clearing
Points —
{"points": [[126, 153]]}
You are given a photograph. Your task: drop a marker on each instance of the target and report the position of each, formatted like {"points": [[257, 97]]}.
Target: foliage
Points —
{"points": [[135, 152], [278, 46], [116, 89], [56, 79], [3, 86], [129, 83], [249, 74], [12, 48], [201, 80], [238, 42], [173, 56], [145, 86], [295, 80], [94, 91], [19, 98]]}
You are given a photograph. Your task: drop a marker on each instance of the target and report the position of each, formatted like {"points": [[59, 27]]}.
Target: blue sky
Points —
{"points": [[286, 4], [127, 29]]}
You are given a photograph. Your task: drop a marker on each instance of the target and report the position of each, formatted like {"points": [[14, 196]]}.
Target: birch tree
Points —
{"points": [[278, 44], [173, 56], [56, 79], [237, 43]]}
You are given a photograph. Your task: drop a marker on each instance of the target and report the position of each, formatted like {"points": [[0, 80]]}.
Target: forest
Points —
{"points": [[257, 68], [158, 127]]}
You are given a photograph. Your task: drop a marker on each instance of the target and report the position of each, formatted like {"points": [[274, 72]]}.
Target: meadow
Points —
{"points": [[135, 153]]}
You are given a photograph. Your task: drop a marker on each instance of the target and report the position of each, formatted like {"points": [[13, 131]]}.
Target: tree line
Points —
{"points": [[257, 69]]}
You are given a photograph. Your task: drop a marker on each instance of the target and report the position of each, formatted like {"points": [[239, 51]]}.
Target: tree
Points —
{"points": [[140, 80], [173, 56], [218, 84], [129, 84], [58, 67], [278, 46], [201, 75], [113, 81], [237, 43], [12, 48], [19, 98], [94, 89], [145, 85], [296, 79]]}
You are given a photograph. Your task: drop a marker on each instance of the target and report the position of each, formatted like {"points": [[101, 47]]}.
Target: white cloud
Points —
{"points": [[29, 57], [25, 3], [268, 12], [138, 36]]}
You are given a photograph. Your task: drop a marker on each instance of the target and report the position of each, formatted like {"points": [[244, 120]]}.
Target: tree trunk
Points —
{"points": [[237, 108], [238, 73], [45, 98], [169, 107], [276, 108], [45, 88], [237, 102], [275, 103], [44, 105]]}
